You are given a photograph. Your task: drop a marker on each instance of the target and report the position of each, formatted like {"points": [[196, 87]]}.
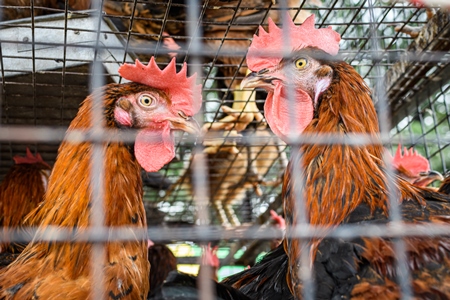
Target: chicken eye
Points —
{"points": [[146, 100], [300, 63]]}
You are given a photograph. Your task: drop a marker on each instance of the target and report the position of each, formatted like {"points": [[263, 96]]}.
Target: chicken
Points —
{"points": [[18, 9], [414, 168], [155, 103], [443, 3], [341, 184], [162, 262], [220, 160], [414, 31], [21, 191], [233, 169]]}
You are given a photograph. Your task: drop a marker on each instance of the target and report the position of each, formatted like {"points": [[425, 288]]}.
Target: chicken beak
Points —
{"points": [[258, 79], [427, 178], [435, 175], [187, 124]]}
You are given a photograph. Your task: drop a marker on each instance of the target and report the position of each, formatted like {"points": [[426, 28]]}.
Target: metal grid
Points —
{"points": [[51, 62]]}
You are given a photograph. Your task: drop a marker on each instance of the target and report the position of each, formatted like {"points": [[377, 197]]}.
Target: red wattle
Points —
{"points": [[287, 117], [154, 148]]}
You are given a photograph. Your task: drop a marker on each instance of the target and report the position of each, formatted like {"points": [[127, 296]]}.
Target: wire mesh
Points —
{"points": [[221, 187]]}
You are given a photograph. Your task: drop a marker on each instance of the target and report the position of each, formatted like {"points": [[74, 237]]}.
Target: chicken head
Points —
{"points": [[156, 111], [302, 69]]}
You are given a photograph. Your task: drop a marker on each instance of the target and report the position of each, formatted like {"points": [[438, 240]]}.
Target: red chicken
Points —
{"points": [[414, 168], [21, 191], [341, 183], [18, 9], [154, 103]]}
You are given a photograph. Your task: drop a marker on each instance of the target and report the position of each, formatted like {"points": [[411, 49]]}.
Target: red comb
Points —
{"points": [[417, 3], [185, 94], [209, 256], [411, 160], [274, 41], [279, 220], [30, 159]]}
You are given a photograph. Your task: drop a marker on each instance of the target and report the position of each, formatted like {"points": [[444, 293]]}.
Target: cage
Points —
{"points": [[221, 186]]}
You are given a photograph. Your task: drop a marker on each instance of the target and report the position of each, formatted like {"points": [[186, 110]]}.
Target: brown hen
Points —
{"points": [[152, 105], [340, 183], [21, 191], [19, 9]]}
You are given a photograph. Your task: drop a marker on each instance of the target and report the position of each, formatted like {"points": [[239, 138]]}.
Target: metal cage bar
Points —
{"points": [[52, 57]]}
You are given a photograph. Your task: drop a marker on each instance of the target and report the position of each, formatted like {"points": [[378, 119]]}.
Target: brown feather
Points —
{"points": [[339, 178], [445, 186], [21, 192], [162, 261], [42, 265]]}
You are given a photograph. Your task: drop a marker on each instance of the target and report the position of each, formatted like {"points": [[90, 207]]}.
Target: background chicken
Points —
{"points": [[152, 105], [234, 169], [343, 183], [21, 191], [18, 9], [414, 168], [162, 262]]}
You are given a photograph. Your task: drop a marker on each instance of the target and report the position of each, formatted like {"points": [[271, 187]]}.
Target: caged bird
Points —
{"points": [[233, 168], [162, 262], [181, 286], [21, 191], [228, 178], [19, 9], [155, 103], [414, 168], [341, 184]]}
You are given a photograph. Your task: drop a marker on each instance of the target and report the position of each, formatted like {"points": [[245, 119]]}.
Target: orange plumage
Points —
{"points": [[338, 183], [21, 191], [64, 270]]}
